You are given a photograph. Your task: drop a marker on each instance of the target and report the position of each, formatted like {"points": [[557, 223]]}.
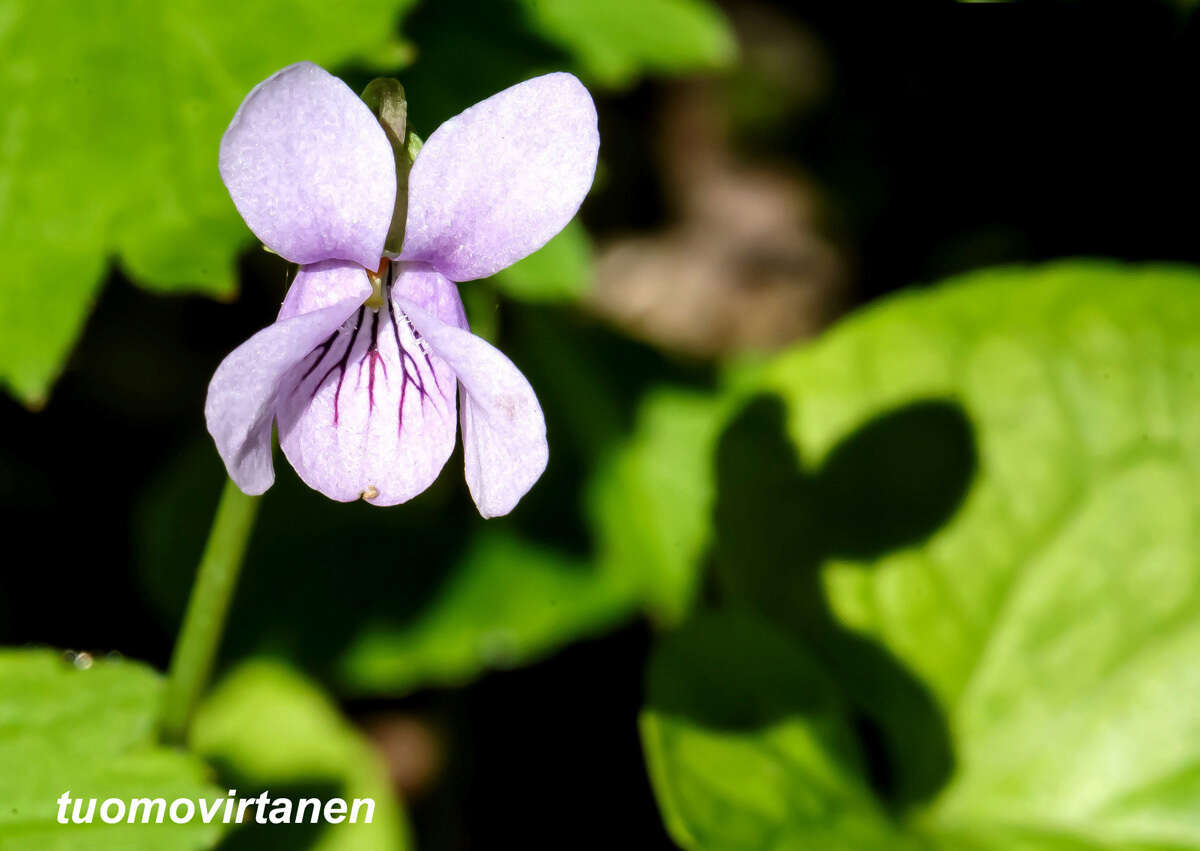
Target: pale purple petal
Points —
{"points": [[322, 284], [310, 169], [494, 183], [371, 413], [242, 394], [504, 433]]}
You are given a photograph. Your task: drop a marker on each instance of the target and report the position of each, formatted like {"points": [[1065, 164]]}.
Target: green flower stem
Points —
{"points": [[204, 623]]}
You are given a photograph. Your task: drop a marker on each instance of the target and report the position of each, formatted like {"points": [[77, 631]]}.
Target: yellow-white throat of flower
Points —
{"points": [[376, 300]]}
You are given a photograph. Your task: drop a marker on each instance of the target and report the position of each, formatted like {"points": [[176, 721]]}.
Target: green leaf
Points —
{"points": [[90, 732], [560, 271], [268, 728], [651, 499], [111, 124], [976, 505], [617, 41], [749, 746], [508, 601]]}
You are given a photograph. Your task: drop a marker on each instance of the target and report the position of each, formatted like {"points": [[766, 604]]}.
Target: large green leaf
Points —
{"points": [[267, 728], [615, 41], [976, 504], [112, 117], [90, 732]]}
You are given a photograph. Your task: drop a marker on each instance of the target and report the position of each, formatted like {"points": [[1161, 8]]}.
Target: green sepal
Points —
{"points": [[385, 98]]}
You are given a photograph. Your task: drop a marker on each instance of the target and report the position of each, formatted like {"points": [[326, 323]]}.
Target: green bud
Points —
{"points": [[413, 146], [385, 98]]}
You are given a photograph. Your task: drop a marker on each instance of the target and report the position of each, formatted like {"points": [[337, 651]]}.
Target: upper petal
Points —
{"points": [[371, 413], [310, 169], [242, 395], [495, 182], [504, 432]]}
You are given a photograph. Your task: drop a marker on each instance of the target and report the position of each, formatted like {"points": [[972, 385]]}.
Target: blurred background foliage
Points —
{"points": [[930, 581]]}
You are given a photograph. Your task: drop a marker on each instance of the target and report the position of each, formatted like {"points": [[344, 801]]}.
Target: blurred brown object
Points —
{"points": [[747, 262], [413, 749]]}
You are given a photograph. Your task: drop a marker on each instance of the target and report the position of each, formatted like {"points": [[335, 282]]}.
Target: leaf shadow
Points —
{"points": [[888, 485]]}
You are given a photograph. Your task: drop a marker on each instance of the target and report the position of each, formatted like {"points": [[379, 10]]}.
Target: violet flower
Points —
{"points": [[362, 367]]}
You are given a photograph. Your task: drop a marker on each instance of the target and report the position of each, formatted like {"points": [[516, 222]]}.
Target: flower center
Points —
{"points": [[376, 299]]}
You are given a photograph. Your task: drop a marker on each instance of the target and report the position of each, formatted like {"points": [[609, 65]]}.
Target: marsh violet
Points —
{"points": [[363, 367]]}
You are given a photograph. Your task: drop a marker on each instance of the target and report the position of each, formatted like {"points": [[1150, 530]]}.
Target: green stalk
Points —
{"points": [[204, 623]]}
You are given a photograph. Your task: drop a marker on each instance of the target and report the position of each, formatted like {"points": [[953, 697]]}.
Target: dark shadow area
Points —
{"points": [[730, 669], [552, 751], [890, 484], [895, 480], [534, 753], [959, 155]]}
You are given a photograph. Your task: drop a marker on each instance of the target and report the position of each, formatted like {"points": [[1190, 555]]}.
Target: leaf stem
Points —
{"points": [[204, 622]]}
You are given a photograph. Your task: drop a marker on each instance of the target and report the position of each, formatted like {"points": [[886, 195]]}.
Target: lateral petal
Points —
{"points": [[242, 395], [319, 285], [503, 429]]}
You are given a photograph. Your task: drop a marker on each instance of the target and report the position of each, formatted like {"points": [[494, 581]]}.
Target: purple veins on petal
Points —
{"points": [[320, 351], [406, 359], [340, 366], [368, 448], [371, 358]]}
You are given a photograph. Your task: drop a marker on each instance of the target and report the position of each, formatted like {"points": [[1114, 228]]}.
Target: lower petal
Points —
{"points": [[504, 432], [242, 395], [369, 413]]}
